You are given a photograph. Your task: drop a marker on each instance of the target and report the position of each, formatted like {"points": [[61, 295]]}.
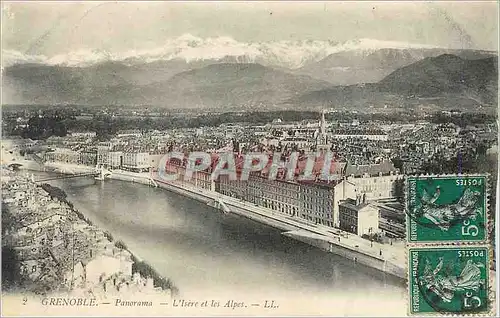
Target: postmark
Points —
{"points": [[449, 208], [448, 280]]}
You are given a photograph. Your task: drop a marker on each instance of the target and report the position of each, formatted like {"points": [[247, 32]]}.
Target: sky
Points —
{"points": [[55, 28]]}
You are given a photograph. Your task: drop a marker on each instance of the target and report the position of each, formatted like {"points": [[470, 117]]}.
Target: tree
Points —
{"points": [[398, 163], [399, 192], [121, 245], [42, 127], [11, 273]]}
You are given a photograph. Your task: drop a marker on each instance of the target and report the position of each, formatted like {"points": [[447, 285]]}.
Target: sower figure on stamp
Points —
{"points": [[446, 286], [444, 215]]}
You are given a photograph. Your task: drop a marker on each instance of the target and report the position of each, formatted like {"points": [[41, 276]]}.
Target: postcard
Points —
{"points": [[230, 158]]}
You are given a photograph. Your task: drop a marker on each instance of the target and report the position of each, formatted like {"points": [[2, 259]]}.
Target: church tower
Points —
{"points": [[321, 138]]}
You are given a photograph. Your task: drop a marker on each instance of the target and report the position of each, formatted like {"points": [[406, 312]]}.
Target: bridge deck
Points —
{"points": [[68, 176]]}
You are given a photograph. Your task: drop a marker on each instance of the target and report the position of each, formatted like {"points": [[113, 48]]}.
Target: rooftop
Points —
{"points": [[384, 167]]}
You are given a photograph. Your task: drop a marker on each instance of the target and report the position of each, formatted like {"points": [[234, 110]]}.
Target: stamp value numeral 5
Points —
{"points": [[471, 301], [469, 229]]}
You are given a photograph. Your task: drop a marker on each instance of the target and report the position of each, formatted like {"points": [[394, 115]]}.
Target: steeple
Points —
{"points": [[321, 136], [323, 126]]}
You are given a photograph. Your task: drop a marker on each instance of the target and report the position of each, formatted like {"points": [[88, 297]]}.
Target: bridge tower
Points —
{"points": [[101, 173]]}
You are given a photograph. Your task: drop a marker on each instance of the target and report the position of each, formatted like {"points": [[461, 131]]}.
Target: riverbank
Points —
{"points": [[386, 258], [138, 266], [383, 257], [37, 223]]}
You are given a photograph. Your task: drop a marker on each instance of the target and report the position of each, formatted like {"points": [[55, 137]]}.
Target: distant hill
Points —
{"points": [[370, 66], [446, 74], [218, 85], [445, 81], [229, 85]]}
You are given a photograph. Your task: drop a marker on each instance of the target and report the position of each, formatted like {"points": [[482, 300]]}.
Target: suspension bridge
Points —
{"points": [[98, 174], [78, 175]]}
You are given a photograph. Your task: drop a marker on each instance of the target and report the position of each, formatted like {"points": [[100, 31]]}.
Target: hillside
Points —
{"points": [[446, 74], [229, 85], [371, 66], [218, 85], [446, 81]]}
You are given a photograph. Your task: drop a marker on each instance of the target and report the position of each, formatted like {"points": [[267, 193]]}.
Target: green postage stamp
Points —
{"points": [[449, 280], [448, 208]]}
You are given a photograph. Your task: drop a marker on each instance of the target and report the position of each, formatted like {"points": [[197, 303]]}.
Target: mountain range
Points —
{"points": [[371, 66], [289, 54], [190, 72], [213, 86], [445, 81]]}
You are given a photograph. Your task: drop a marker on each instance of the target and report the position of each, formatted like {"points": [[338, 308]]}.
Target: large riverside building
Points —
{"points": [[198, 179], [115, 159], [121, 158], [136, 161], [277, 195], [316, 203], [324, 203], [62, 155], [308, 201], [86, 157]]}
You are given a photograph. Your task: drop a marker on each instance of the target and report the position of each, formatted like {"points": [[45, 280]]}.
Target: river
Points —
{"points": [[210, 254]]}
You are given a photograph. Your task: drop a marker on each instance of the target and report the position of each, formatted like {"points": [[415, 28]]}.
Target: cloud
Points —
{"points": [[58, 28]]}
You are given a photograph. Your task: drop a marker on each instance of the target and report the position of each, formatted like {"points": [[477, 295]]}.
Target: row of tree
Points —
{"points": [[105, 126]]}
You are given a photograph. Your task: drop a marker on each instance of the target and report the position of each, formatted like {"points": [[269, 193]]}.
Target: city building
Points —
{"points": [[103, 155], [360, 134], [154, 160], [198, 179], [88, 157], [375, 181], [85, 134], [358, 217], [62, 155], [136, 161], [115, 160], [309, 201], [316, 203], [392, 219]]}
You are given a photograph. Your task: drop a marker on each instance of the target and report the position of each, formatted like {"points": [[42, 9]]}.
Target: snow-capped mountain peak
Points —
{"points": [[373, 44], [81, 58], [187, 47]]}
